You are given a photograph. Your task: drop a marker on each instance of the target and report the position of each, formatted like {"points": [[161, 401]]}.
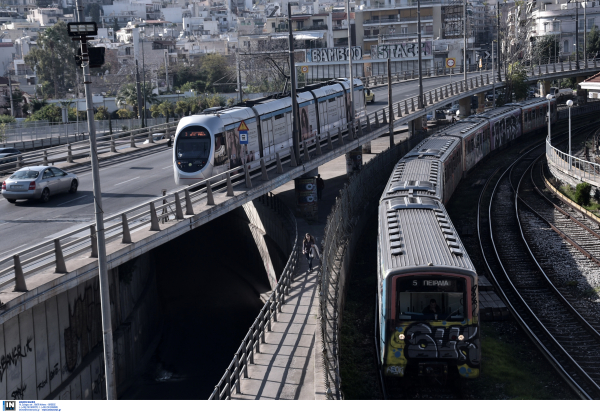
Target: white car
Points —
{"points": [[38, 182]]}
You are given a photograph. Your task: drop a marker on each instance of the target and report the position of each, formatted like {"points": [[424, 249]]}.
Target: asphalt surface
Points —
{"points": [[126, 182]]}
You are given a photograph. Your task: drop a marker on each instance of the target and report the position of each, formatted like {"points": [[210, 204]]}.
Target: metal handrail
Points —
{"points": [[583, 169], [268, 314]]}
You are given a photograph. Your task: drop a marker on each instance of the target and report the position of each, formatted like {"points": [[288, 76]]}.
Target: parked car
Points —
{"points": [[38, 182], [369, 96], [7, 153], [561, 94]]}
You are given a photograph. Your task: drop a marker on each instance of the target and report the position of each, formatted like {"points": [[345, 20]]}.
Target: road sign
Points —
{"points": [[487, 55], [450, 62], [242, 127], [243, 137], [304, 69]]}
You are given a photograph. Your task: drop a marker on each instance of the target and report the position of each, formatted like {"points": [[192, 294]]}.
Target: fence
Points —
{"points": [[573, 166], [24, 131], [342, 231], [268, 313]]}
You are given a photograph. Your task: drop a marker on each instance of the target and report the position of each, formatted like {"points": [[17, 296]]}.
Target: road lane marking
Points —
{"points": [[167, 167], [72, 200], [19, 247], [127, 181]]}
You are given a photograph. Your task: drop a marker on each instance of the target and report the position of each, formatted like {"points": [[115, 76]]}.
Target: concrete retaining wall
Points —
{"points": [[53, 350]]}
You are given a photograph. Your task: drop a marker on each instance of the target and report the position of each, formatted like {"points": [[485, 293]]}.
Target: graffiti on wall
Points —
{"points": [[85, 327], [11, 358], [19, 393]]}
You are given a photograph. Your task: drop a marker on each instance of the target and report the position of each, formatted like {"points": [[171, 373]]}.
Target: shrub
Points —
{"points": [[6, 118], [582, 194]]}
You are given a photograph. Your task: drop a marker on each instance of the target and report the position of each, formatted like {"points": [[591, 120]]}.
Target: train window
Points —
{"points": [[432, 297], [331, 100], [279, 116], [192, 148]]}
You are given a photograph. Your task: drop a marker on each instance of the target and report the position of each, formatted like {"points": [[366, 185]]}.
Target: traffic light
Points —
{"points": [[95, 55]]}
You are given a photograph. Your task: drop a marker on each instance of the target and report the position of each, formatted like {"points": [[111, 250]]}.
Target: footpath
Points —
{"points": [[285, 366]]}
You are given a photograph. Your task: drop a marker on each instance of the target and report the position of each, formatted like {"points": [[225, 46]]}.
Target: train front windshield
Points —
{"points": [[192, 149], [426, 298]]}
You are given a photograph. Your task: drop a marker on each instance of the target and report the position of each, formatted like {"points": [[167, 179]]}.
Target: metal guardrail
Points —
{"points": [[268, 314], [68, 152], [583, 170]]}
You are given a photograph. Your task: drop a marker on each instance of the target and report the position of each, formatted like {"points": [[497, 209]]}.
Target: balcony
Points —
{"points": [[394, 4], [396, 36], [305, 28], [396, 19]]}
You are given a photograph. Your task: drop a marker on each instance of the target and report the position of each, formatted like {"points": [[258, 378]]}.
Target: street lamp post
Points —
{"points": [[570, 104], [420, 100], [465, 42], [295, 118], [493, 79], [549, 97], [351, 120]]}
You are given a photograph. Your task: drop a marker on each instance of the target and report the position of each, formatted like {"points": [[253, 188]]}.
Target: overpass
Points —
{"points": [[68, 257]]}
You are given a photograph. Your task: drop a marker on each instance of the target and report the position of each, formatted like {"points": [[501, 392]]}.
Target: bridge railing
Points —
{"points": [[68, 152], [581, 169], [267, 315]]}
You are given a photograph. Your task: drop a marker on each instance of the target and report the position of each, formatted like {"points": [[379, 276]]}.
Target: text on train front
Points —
{"points": [[432, 323], [193, 149]]}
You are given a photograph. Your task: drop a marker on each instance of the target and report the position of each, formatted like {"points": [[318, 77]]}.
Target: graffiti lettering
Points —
{"points": [[474, 300], [19, 393], [84, 331], [13, 357], [395, 370], [44, 382], [424, 341], [54, 371]]}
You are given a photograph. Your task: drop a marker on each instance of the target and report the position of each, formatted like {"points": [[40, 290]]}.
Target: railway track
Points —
{"points": [[560, 330]]}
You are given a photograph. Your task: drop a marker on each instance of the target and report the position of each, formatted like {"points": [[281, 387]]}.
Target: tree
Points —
{"points": [[154, 111], [6, 118], [54, 58], [546, 47], [37, 104], [127, 95], [593, 42], [49, 112], [181, 108], [516, 82], [166, 109], [102, 114], [124, 114], [93, 11]]}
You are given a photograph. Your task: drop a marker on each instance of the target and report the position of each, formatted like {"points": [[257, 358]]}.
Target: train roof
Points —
{"points": [[415, 176], [464, 127], [416, 235], [528, 103], [500, 111], [434, 147]]}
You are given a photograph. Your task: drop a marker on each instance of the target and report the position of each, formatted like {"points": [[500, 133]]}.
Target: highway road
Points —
{"points": [[126, 181]]}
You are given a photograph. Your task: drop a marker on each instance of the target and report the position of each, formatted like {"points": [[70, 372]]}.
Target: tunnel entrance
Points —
{"points": [[209, 285]]}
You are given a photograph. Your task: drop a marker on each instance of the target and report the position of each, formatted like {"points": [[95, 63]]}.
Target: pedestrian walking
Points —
{"points": [[320, 187], [307, 249]]}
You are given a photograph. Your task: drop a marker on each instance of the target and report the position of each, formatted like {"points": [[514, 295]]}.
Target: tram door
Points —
{"points": [[323, 116], [267, 138], [342, 108]]}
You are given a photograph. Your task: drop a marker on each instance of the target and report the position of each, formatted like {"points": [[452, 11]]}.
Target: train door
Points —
{"points": [[343, 108], [282, 131], [323, 121]]}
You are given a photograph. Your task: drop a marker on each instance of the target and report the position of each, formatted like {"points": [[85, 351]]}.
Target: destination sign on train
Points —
{"points": [[446, 284]]}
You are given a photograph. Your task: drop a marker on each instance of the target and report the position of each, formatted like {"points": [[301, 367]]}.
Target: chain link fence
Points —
{"points": [[342, 231]]}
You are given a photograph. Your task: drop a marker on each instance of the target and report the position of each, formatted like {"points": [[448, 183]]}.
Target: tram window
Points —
{"points": [[279, 116], [413, 298], [332, 100]]}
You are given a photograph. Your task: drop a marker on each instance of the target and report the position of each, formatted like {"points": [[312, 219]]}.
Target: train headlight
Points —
{"points": [[401, 336], [461, 337]]}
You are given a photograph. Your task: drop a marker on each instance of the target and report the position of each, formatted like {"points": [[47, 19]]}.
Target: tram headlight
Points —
{"points": [[461, 337], [401, 336]]}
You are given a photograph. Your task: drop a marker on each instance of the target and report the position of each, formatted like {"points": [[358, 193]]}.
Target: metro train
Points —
{"points": [[427, 296], [208, 144]]}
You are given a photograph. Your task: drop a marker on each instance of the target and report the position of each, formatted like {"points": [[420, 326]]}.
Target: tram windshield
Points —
{"points": [[441, 298], [192, 148]]}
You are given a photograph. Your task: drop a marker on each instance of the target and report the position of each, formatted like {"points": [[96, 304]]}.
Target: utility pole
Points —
{"points": [[577, 35], [420, 100], [295, 117], [239, 75], [390, 102], [585, 63], [138, 92], [351, 120], [166, 69], [12, 107], [465, 43], [498, 55], [493, 79], [109, 365], [143, 84]]}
